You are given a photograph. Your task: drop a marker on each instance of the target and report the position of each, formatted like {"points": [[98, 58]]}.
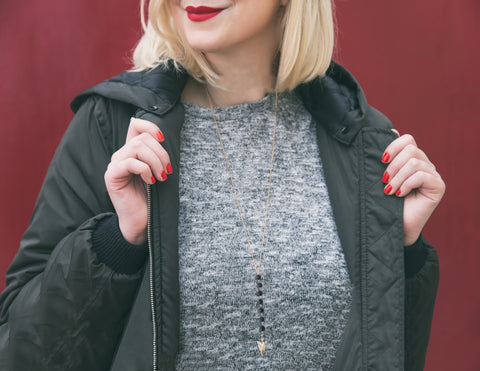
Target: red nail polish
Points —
{"points": [[386, 157], [387, 189], [385, 178], [153, 179], [169, 168], [164, 175], [160, 136], [398, 193]]}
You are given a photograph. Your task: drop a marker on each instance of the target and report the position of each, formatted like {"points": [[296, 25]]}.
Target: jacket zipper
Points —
{"points": [[152, 294]]}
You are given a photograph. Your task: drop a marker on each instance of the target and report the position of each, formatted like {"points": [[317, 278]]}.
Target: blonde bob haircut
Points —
{"points": [[305, 49]]}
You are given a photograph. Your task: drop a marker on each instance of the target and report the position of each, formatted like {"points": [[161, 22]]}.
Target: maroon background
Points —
{"points": [[417, 61]]}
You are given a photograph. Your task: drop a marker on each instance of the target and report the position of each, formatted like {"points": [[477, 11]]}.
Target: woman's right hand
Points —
{"points": [[140, 161]]}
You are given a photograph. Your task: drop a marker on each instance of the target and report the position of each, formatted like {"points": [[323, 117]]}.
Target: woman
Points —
{"points": [[232, 203]]}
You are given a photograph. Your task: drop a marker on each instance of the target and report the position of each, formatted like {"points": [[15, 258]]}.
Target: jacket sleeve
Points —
{"points": [[421, 281], [64, 307]]}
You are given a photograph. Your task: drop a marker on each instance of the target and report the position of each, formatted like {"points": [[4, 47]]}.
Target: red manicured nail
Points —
{"points": [[160, 136], [169, 168], [385, 178], [153, 179], [387, 189], [164, 175], [386, 157], [398, 193]]}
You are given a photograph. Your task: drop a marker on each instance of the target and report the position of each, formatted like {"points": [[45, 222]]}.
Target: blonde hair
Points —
{"points": [[305, 50]]}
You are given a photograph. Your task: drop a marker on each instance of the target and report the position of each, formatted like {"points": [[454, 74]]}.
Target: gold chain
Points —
{"points": [[257, 268]]}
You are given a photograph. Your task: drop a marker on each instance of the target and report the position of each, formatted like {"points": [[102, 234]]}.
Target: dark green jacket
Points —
{"points": [[79, 297]]}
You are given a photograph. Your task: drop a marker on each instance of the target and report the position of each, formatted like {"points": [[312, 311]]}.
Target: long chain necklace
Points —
{"points": [[258, 278]]}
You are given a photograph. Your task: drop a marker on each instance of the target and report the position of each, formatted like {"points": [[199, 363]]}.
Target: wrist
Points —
{"points": [[410, 240], [134, 238]]}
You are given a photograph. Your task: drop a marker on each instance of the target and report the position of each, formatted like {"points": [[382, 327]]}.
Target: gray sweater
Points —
{"points": [[306, 287]]}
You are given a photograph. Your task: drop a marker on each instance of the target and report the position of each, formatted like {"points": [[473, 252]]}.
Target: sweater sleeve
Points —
{"points": [[68, 294], [422, 276], [113, 250]]}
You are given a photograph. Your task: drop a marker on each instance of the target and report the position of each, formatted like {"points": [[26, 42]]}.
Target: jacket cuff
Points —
{"points": [[114, 251], [415, 257]]}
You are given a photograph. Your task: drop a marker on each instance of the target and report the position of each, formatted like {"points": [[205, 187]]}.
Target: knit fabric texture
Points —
{"points": [[306, 286]]}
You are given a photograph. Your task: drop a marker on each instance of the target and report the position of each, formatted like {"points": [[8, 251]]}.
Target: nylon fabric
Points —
{"points": [[382, 254], [81, 324]]}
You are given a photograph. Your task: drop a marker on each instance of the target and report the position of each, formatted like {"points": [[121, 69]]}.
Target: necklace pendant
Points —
{"points": [[261, 346]]}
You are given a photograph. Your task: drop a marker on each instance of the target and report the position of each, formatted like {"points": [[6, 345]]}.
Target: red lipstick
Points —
{"points": [[201, 13]]}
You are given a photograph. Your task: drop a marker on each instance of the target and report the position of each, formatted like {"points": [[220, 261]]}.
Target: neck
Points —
{"points": [[243, 78], [246, 74]]}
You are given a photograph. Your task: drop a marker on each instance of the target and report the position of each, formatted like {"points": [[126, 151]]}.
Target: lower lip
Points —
{"points": [[201, 17]]}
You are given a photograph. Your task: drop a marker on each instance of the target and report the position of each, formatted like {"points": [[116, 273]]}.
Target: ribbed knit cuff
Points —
{"points": [[114, 251], [415, 257]]}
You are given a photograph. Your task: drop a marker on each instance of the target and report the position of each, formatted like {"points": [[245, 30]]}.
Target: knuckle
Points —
{"points": [[164, 157], [108, 176], [110, 168], [116, 155], [391, 170], [414, 162], [411, 148], [423, 174], [143, 136], [136, 144], [144, 168], [443, 186], [409, 138], [134, 121]]}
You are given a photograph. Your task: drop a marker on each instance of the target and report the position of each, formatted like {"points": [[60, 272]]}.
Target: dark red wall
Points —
{"points": [[418, 62]]}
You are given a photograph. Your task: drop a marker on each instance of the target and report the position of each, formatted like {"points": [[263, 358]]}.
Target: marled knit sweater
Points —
{"points": [[306, 287]]}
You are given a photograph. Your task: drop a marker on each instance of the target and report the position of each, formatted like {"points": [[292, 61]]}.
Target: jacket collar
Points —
{"points": [[335, 100], [155, 91]]}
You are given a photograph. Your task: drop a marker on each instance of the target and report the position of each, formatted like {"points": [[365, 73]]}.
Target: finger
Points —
{"points": [[153, 154], [397, 146], [147, 149], [139, 126], [119, 170], [401, 159], [430, 185], [412, 166]]}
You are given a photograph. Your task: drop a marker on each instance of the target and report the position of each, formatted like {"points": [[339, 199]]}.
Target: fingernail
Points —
{"points": [[153, 179], [169, 168], [398, 193], [385, 178], [160, 136], [386, 157], [164, 175], [388, 189]]}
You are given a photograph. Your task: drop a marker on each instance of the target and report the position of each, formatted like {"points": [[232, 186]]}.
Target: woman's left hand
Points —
{"points": [[410, 174]]}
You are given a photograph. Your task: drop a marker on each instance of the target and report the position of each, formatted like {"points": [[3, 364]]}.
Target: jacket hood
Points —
{"points": [[335, 100]]}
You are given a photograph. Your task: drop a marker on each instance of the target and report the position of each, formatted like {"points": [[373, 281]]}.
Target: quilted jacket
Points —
{"points": [[79, 297]]}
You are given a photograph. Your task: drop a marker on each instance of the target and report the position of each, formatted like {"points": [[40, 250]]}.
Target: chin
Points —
{"points": [[204, 45]]}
